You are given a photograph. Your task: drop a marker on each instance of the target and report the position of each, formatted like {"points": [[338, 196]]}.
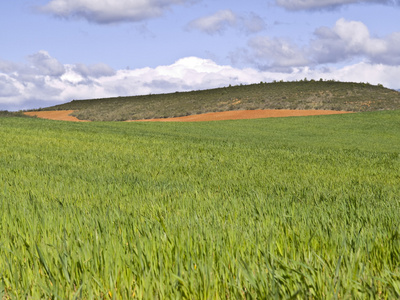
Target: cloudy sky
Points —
{"points": [[54, 51]]}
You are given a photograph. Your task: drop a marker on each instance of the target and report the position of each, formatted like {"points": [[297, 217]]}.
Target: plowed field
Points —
{"points": [[60, 115], [247, 114], [64, 115]]}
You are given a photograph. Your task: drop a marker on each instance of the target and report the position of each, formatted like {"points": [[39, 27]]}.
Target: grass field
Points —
{"points": [[286, 208], [321, 95]]}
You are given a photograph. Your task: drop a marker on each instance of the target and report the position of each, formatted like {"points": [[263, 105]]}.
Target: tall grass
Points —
{"points": [[277, 208]]}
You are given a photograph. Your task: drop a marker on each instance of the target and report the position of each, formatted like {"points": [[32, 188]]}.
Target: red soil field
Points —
{"points": [[64, 115], [60, 115], [247, 114]]}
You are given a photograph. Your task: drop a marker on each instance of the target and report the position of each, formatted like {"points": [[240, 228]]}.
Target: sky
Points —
{"points": [[55, 51]]}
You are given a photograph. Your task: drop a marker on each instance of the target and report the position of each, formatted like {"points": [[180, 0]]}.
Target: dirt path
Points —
{"points": [[246, 114], [60, 115], [64, 115]]}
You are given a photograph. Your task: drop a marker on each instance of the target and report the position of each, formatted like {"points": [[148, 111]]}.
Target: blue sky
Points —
{"points": [[54, 51]]}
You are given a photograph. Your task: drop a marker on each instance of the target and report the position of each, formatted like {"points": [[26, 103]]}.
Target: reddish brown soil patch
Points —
{"points": [[64, 115], [60, 115], [248, 114]]}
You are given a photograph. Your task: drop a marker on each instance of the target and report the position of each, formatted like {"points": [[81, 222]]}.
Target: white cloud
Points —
{"points": [[7, 67], [367, 72], [108, 11], [276, 53], [96, 70], [223, 19], [253, 23], [45, 64], [327, 4], [392, 54], [40, 89], [349, 39], [189, 73], [346, 42], [7, 87], [215, 23]]}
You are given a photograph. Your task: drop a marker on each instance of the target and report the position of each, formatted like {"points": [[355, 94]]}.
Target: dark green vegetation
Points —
{"points": [[328, 95], [304, 207], [5, 114]]}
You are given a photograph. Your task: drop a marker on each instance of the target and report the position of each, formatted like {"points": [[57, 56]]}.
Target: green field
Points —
{"points": [[280, 208]]}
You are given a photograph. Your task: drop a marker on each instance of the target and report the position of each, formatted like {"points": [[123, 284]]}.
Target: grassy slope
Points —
{"points": [[251, 208], [280, 95], [6, 114]]}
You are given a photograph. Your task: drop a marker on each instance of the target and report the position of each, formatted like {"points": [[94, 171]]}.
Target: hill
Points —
{"points": [[324, 95]]}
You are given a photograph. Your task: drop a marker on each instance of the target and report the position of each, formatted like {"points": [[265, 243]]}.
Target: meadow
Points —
{"points": [[282, 208]]}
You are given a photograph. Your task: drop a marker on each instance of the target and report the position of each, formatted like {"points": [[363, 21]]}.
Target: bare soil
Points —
{"points": [[60, 115], [64, 115], [247, 114]]}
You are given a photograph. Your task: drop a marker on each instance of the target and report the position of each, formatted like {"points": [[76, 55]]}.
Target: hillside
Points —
{"points": [[324, 95], [6, 114]]}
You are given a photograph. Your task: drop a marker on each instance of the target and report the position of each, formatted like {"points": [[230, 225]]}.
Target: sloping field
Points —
{"points": [[278, 208], [304, 95]]}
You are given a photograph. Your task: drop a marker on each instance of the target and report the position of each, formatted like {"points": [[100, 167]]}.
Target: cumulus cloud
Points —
{"points": [[96, 70], [7, 87], [106, 11], [327, 4], [42, 82], [223, 19], [276, 53], [253, 23], [345, 42], [7, 67], [348, 39], [215, 23], [43, 79], [45, 64], [189, 73], [41, 89]]}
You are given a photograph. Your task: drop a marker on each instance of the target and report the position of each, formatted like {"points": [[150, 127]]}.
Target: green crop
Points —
{"points": [[297, 208]]}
